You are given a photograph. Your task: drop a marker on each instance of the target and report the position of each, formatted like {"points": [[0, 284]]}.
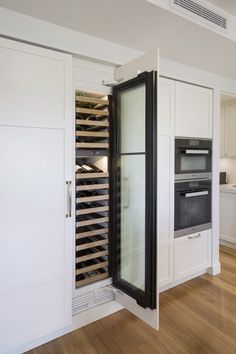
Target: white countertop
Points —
{"points": [[228, 188]]}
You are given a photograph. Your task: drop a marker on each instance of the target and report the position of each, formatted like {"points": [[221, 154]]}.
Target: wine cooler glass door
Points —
{"points": [[133, 200]]}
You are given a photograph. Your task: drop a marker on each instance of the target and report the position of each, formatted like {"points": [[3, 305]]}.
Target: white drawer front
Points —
{"points": [[192, 254]]}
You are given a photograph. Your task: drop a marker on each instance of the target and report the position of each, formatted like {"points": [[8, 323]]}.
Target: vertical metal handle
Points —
{"points": [[69, 199]]}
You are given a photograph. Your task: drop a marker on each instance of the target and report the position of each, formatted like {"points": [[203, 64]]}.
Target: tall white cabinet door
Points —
{"points": [[230, 128], [35, 236], [193, 111]]}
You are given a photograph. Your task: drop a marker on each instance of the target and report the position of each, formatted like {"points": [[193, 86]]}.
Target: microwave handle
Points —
{"points": [[196, 194], [197, 152]]}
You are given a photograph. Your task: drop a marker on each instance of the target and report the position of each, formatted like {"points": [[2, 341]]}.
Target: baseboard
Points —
{"points": [[95, 314], [215, 269], [228, 244], [81, 320], [229, 239]]}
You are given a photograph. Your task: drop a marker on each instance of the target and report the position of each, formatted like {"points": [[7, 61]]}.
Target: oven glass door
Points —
{"points": [[192, 204]]}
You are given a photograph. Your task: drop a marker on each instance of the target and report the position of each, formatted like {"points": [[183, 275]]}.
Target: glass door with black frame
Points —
{"points": [[134, 188]]}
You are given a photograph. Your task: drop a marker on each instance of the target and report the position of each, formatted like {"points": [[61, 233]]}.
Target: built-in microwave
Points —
{"points": [[193, 158]]}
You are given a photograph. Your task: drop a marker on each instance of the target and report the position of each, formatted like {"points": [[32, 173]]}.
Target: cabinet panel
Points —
{"points": [[193, 111], [34, 242], [230, 129], [166, 106], [192, 254], [35, 82], [165, 265], [165, 188], [222, 132], [227, 217]]}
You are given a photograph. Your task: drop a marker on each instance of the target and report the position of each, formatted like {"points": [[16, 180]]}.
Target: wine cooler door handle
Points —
{"points": [[126, 193], [196, 194], [69, 199]]}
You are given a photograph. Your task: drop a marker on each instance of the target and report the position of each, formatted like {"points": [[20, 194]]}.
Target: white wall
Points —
{"points": [[229, 165]]}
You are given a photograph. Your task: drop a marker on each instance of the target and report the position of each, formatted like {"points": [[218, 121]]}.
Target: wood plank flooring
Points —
{"points": [[196, 317]]}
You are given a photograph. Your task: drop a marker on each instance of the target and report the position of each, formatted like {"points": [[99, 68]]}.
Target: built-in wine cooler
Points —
{"points": [[92, 187], [121, 168]]}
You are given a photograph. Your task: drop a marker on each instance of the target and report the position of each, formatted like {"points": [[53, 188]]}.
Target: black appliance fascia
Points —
{"points": [[193, 158], [193, 206]]}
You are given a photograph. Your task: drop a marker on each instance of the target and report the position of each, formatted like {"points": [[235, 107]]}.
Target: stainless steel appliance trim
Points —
{"points": [[197, 152], [192, 230], [191, 176], [69, 199], [196, 194]]}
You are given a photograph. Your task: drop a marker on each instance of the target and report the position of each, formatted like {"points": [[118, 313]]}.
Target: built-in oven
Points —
{"points": [[193, 158], [192, 206]]}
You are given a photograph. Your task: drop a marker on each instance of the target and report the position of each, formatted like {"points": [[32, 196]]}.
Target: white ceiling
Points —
{"points": [[227, 5], [141, 25]]}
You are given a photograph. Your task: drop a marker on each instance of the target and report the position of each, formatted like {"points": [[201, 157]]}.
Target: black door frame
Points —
{"points": [[145, 298]]}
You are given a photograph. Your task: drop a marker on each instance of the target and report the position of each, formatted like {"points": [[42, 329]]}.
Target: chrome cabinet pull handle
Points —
{"points": [[197, 152], [69, 199], [194, 237], [196, 194]]}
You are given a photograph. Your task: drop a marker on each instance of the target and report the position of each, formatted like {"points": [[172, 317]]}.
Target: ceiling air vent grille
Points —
{"points": [[202, 11]]}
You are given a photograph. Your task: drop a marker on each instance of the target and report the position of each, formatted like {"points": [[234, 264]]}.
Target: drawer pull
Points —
{"points": [[194, 237]]}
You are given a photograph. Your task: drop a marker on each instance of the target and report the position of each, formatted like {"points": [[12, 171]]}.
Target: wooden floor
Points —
{"points": [[196, 317]]}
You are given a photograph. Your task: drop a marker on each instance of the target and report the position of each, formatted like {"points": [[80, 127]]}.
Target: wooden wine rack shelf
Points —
{"points": [[92, 267], [92, 145], [84, 234], [92, 210], [92, 175], [92, 190], [92, 100], [101, 123], [91, 244], [92, 186], [91, 279], [95, 134], [99, 112]]}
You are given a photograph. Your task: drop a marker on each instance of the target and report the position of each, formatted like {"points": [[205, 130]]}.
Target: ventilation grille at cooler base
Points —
{"points": [[92, 299], [201, 11]]}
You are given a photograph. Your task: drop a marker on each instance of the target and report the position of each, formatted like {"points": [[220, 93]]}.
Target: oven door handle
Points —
{"points": [[197, 152], [196, 194]]}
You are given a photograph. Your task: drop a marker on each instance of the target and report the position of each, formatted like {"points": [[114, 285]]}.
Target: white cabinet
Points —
{"points": [[166, 107], [184, 110], [166, 266], [35, 237], [166, 180], [222, 132], [227, 216], [192, 254], [193, 111], [228, 129]]}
